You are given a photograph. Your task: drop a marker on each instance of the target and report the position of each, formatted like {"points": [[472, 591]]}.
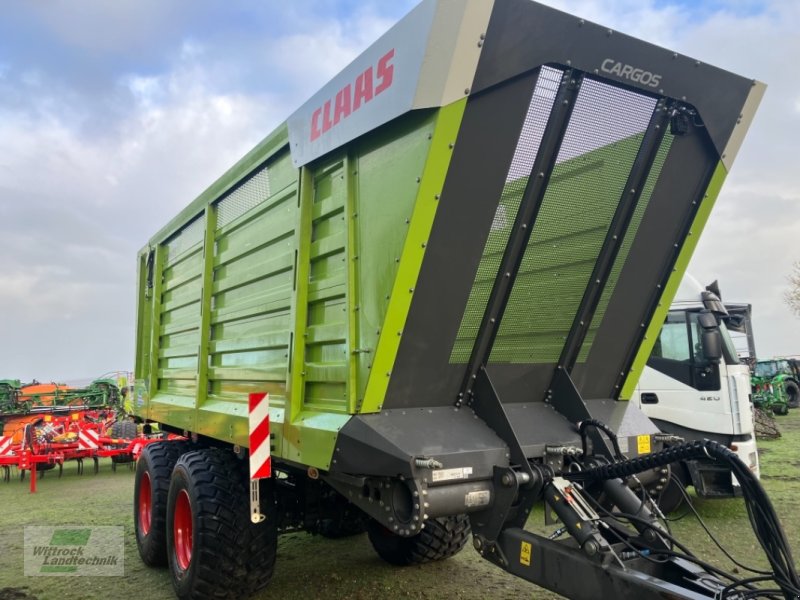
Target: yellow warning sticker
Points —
{"points": [[48, 418], [643, 444], [525, 554]]}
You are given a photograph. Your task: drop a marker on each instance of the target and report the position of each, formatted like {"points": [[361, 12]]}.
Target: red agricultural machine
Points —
{"points": [[46, 425]]}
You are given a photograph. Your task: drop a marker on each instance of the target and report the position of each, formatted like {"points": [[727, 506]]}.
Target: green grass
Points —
{"points": [[312, 567]]}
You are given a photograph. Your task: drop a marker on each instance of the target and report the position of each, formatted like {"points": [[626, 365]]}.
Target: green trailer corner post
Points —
{"points": [[445, 270]]}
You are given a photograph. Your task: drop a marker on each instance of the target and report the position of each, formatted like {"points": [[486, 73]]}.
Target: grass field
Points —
{"points": [[315, 567]]}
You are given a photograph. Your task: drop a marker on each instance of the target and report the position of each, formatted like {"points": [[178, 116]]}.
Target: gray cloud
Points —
{"points": [[103, 138]]}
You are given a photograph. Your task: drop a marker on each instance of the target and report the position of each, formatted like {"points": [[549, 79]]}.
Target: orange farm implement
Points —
{"points": [[53, 439]]}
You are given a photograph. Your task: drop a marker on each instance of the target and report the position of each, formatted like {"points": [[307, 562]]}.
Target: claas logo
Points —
{"points": [[370, 83]]}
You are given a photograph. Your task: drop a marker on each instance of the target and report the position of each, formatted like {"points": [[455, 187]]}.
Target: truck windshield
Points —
{"points": [[728, 349], [729, 353], [680, 342], [673, 341]]}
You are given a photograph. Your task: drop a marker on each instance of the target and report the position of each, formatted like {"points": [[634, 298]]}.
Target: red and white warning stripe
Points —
{"points": [[5, 445], [88, 439], [260, 461]]}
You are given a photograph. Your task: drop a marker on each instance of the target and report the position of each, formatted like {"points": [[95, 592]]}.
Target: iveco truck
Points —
{"points": [[695, 386]]}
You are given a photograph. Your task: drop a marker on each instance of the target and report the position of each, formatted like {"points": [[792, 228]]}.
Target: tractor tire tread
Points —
{"points": [[792, 394], [235, 558], [441, 538], [161, 458], [124, 430]]}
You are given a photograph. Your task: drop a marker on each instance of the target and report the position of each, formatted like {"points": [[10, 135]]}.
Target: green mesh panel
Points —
{"points": [[599, 147], [525, 154], [622, 255]]}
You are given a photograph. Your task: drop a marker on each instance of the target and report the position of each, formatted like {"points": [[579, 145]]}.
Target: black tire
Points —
{"points": [[793, 394], [341, 519], [228, 556], [156, 461], [125, 430], [780, 409], [441, 538]]}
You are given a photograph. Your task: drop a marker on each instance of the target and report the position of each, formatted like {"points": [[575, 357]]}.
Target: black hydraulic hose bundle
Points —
{"points": [[594, 423], [764, 520]]}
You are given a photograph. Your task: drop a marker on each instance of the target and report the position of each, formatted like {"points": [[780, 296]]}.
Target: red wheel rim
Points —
{"points": [[145, 504], [182, 530]]}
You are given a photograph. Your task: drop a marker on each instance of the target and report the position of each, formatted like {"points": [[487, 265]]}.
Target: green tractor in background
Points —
{"points": [[779, 377], [9, 394]]}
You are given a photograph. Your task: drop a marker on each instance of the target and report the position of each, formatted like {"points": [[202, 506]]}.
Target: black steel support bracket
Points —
{"points": [[518, 486], [535, 189], [565, 398], [563, 568], [631, 194]]}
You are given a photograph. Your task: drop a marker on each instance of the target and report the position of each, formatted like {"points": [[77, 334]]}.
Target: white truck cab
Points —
{"points": [[695, 387]]}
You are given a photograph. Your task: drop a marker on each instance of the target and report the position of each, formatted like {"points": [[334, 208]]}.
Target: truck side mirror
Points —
{"points": [[712, 345], [707, 320]]}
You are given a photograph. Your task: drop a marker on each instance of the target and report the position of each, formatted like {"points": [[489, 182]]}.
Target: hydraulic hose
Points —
{"points": [[764, 520], [626, 468]]}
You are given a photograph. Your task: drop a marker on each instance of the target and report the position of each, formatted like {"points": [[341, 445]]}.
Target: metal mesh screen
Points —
{"points": [[622, 255], [601, 142], [517, 179], [190, 235], [250, 194]]}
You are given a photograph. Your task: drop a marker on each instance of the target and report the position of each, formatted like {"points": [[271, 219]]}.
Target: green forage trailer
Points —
{"points": [[427, 296]]}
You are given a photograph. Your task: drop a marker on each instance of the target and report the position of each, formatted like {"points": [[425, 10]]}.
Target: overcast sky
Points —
{"points": [[116, 114]]}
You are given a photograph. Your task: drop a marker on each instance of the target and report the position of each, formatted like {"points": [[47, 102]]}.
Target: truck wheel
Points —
{"points": [[441, 538], [793, 393], [125, 430], [214, 551], [342, 518], [780, 408], [259, 556], [150, 489]]}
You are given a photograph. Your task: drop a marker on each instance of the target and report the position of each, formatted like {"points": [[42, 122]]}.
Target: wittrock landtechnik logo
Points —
{"points": [[74, 550]]}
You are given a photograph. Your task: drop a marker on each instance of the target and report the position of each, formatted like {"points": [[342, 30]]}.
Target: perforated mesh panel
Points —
{"points": [[249, 195], [185, 239], [517, 179], [601, 142], [622, 255]]}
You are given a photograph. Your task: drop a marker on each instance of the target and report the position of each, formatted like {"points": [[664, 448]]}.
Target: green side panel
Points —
{"points": [[284, 284], [177, 331], [390, 167], [682, 263], [222, 308], [273, 143], [326, 332], [630, 235], [434, 171], [144, 313], [312, 438], [251, 289]]}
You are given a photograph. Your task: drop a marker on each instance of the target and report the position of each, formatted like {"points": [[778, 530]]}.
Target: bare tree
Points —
{"points": [[792, 295]]}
